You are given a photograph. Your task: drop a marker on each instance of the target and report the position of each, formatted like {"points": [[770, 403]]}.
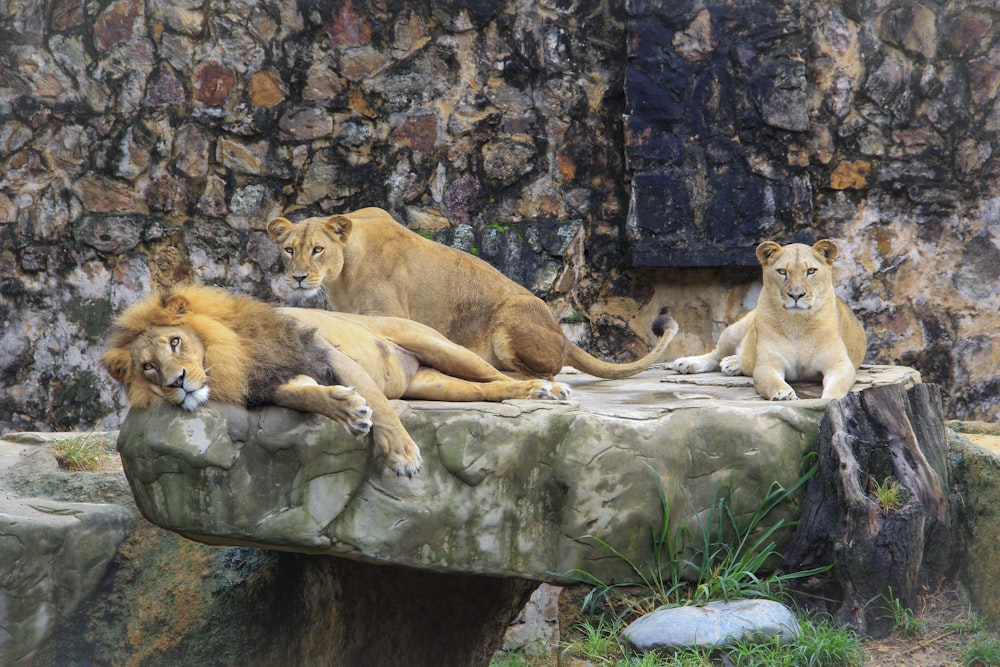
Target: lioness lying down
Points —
{"points": [[368, 263], [194, 343], [800, 329]]}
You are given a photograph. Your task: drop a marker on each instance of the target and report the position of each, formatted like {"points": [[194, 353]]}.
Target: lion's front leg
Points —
{"points": [[342, 404]]}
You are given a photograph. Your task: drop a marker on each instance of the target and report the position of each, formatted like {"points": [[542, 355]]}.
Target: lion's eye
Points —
{"points": [[175, 343], [289, 250], [811, 270], [148, 366], [318, 250]]}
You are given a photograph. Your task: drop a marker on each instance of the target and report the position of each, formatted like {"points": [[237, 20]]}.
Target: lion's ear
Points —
{"points": [[118, 362], [765, 251], [338, 226], [827, 249], [176, 306], [278, 228]]}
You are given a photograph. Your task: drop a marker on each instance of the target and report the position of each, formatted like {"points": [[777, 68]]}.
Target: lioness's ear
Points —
{"points": [[765, 251], [278, 228], [827, 249], [118, 362], [338, 226]]}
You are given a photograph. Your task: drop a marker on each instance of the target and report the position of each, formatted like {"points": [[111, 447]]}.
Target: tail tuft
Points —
{"points": [[663, 324]]}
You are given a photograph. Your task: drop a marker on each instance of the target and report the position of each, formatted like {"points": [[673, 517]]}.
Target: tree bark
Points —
{"points": [[881, 555]]}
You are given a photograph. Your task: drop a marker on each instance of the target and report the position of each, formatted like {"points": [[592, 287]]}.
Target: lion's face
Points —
{"points": [[797, 276], [311, 250], [168, 361]]}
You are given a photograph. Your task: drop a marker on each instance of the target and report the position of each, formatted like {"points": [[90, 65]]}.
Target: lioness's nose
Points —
{"points": [[300, 278], [179, 382], [796, 294]]}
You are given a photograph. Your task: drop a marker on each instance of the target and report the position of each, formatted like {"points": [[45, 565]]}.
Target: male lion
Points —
{"points": [[800, 329], [193, 343], [368, 263]]}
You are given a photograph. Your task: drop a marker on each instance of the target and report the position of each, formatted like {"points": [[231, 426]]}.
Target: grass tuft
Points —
{"points": [[84, 452]]}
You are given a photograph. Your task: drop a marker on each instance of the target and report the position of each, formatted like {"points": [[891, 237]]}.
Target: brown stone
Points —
{"points": [[116, 23], [104, 195], [266, 88], [694, 43], [348, 26], [67, 14], [419, 132], [984, 80], [967, 32], [240, 156], [213, 83], [191, 150], [851, 175], [305, 124]]}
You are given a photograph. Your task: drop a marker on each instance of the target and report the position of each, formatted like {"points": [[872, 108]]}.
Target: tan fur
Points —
{"points": [[196, 343], [370, 264], [800, 329]]}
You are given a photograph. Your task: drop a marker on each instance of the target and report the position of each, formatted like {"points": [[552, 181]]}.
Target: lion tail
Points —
{"points": [[664, 326]]}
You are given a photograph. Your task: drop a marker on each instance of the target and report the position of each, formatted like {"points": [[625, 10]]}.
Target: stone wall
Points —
{"points": [[146, 142]]}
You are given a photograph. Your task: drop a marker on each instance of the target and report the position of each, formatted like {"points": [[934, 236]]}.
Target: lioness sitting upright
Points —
{"points": [[370, 264], [800, 329]]}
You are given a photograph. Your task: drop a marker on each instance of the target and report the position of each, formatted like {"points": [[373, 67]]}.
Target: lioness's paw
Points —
{"points": [[553, 391], [731, 366], [785, 395], [700, 364]]}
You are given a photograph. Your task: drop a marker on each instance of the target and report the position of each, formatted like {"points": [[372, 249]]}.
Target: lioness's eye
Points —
{"points": [[317, 250], [782, 272], [811, 270]]}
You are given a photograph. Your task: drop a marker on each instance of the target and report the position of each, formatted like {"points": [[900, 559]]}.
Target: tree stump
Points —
{"points": [[883, 553]]}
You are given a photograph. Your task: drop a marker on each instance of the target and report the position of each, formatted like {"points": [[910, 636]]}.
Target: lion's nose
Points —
{"points": [[179, 382], [299, 278]]}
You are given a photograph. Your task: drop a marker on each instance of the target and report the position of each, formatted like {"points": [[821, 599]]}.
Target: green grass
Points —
{"points": [[982, 652], [889, 493], [733, 557], [820, 644], [904, 620], [87, 451]]}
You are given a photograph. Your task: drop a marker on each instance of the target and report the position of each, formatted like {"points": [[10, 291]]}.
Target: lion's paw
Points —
{"points": [[553, 391], [404, 462], [731, 366], [785, 395], [700, 364], [354, 413]]}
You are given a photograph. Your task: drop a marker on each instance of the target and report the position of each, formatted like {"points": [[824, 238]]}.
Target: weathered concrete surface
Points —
{"points": [[52, 555], [507, 489]]}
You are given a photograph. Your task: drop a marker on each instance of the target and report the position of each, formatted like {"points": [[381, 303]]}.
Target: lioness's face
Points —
{"points": [[170, 360], [798, 276], [311, 250]]}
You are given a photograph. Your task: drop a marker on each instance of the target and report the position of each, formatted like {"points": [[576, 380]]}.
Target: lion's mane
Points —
{"points": [[250, 348]]}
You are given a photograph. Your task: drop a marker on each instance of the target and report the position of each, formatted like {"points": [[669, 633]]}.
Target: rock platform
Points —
{"points": [[515, 489]]}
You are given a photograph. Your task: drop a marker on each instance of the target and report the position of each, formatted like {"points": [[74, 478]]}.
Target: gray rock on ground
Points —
{"points": [[718, 623]]}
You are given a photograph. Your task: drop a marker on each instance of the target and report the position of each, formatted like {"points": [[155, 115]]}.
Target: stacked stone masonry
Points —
{"points": [[147, 142]]}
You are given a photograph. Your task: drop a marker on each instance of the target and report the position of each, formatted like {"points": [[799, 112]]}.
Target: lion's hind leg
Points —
{"points": [[432, 385], [342, 404]]}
